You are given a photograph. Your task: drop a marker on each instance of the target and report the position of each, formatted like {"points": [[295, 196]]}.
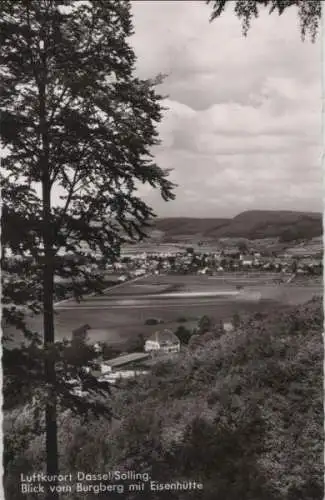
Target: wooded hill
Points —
{"points": [[252, 224], [241, 412]]}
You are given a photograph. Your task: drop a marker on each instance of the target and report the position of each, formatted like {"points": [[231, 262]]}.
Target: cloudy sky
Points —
{"points": [[243, 126]]}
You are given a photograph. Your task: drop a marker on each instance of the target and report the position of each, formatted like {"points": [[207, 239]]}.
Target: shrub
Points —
{"points": [[181, 319], [153, 321], [184, 334]]}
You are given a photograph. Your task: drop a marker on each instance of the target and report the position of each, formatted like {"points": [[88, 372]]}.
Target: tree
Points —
{"points": [[138, 345], [184, 334], [309, 12], [236, 320], [78, 124], [204, 325], [195, 341], [242, 247], [79, 352], [109, 352]]}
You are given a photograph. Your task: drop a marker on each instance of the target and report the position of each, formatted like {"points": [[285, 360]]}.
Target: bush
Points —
{"points": [[204, 325], [243, 414], [153, 321], [181, 319], [184, 334]]}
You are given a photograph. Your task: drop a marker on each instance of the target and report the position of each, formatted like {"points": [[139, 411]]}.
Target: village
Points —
{"points": [[301, 259], [299, 264]]}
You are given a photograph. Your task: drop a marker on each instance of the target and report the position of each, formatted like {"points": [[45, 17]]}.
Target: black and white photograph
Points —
{"points": [[162, 249]]}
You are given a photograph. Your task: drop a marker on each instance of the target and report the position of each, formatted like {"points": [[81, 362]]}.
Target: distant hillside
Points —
{"points": [[252, 224], [187, 226]]}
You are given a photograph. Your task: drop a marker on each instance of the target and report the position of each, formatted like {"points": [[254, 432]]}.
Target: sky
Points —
{"points": [[243, 126]]}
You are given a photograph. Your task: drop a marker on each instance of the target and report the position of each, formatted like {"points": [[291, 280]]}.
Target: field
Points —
{"points": [[119, 315]]}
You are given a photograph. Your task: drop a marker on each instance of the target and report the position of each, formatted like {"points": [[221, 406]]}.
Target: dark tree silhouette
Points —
{"points": [[308, 11], [79, 125]]}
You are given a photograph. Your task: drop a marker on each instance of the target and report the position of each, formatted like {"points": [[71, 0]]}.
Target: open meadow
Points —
{"points": [[120, 314]]}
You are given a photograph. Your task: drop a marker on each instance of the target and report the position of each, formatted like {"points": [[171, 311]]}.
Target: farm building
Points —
{"points": [[165, 341], [123, 367], [129, 360], [247, 261], [113, 377]]}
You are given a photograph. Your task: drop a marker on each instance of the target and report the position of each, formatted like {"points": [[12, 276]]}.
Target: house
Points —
{"points": [[164, 341], [247, 261], [227, 326], [203, 271], [139, 272]]}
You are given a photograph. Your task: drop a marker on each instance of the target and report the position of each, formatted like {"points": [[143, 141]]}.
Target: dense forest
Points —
{"points": [[241, 411]]}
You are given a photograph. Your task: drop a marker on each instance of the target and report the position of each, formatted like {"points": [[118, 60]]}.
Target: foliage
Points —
{"points": [[153, 321], [184, 334], [195, 341], [100, 126], [243, 414], [109, 352], [242, 247], [297, 233], [236, 320], [79, 125], [136, 345], [182, 319], [253, 401], [204, 325], [23, 370], [309, 12]]}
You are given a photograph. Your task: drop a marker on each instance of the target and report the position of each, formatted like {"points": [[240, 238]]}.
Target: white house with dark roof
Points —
{"points": [[164, 341]]}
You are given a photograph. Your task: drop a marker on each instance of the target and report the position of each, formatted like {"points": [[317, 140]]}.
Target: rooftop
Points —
{"points": [[164, 336], [126, 358]]}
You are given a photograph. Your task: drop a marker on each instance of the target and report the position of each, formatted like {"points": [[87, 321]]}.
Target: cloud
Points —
{"points": [[243, 126]]}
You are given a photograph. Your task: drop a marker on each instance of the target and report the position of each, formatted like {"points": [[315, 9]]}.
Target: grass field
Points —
{"points": [[121, 313]]}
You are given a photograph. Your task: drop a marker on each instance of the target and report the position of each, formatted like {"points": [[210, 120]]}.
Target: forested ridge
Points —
{"points": [[252, 224], [242, 413]]}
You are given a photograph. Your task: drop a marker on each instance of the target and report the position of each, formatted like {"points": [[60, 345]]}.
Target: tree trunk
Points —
{"points": [[48, 286], [48, 325], [50, 376]]}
